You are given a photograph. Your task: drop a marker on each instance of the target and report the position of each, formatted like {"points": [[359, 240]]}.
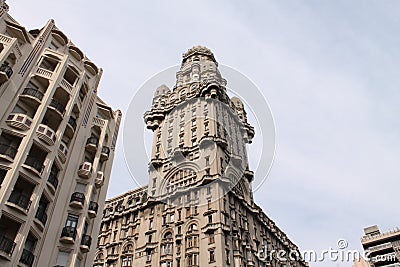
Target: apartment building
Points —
{"points": [[198, 207], [57, 141], [382, 249]]}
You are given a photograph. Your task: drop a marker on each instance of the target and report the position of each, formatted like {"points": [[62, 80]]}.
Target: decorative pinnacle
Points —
{"points": [[200, 50]]}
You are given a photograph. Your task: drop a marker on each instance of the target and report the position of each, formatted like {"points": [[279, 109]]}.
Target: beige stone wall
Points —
{"points": [[49, 109]]}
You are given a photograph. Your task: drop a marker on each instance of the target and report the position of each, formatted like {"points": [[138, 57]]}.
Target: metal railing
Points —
{"points": [[86, 240], [7, 245], [6, 69], [33, 92], [34, 163], [53, 179], [57, 105], [41, 215], [19, 199], [8, 150], [69, 231], [27, 258], [78, 197]]}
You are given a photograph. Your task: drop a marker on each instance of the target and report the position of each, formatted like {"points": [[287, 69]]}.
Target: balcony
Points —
{"points": [[19, 121], [6, 247], [77, 200], [41, 216], [66, 85], [19, 201], [7, 152], [56, 106], [5, 73], [68, 235], [62, 152], [53, 180], [92, 143], [46, 134], [27, 258], [85, 169], [34, 164], [105, 153], [93, 208], [85, 243], [99, 180], [44, 73], [33, 94], [72, 123]]}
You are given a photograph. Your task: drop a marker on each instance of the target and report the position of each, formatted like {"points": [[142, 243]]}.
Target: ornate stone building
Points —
{"points": [[57, 141], [198, 208]]}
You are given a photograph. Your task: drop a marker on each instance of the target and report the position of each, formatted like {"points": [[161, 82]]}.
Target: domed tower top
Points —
{"points": [[198, 53]]}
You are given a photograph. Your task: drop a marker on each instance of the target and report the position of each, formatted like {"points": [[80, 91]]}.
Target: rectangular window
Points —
{"points": [[212, 256], [72, 220]]}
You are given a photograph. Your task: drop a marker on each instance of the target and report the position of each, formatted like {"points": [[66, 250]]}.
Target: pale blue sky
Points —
{"points": [[329, 70]]}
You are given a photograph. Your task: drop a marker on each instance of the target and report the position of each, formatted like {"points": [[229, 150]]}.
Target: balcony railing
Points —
{"points": [[72, 123], [41, 215], [35, 93], [27, 258], [8, 150], [6, 69], [105, 152], [69, 232], [86, 242], [35, 163], [92, 141], [93, 206], [77, 199], [56, 105], [7, 245], [19, 199], [53, 179]]}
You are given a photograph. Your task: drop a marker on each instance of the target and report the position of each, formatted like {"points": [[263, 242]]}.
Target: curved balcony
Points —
{"points": [[19, 201], [105, 153], [85, 169], [27, 258], [57, 107], [7, 152], [46, 134], [62, 152], [53, 181], [41, 216], [5, 73], [77, 200], [92, 143], [34, 164], [32, 94], [6, 246], [19, 121], [85, 243], [99, 180], [93, 208], [68, 235], [72, 123]]}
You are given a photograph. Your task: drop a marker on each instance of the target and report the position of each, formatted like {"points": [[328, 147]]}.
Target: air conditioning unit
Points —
{"points": [[99, 181], [85, 169]]}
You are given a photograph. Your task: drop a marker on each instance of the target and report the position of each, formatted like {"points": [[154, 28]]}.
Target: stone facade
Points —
{"points": [[57, 140], [198, 208]]}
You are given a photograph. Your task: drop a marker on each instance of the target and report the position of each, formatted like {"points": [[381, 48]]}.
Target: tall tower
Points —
{"points": [[198, 208], [57, 140], [200, 134]]}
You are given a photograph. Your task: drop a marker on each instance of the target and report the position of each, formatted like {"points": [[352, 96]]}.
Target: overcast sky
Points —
{"points": [[329, 70]]}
